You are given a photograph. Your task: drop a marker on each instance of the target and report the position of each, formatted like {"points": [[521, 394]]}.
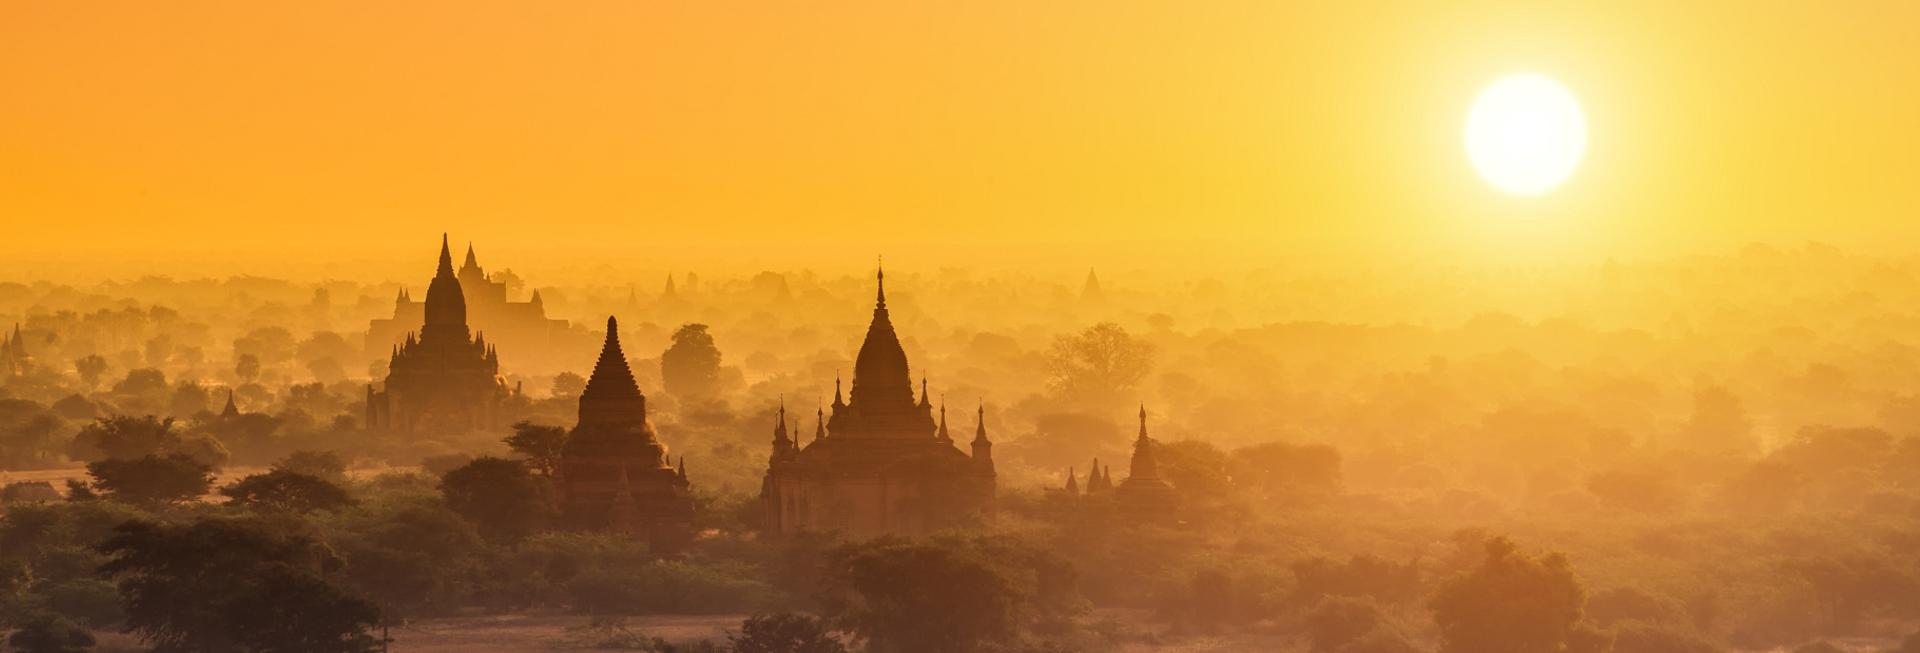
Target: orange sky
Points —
{"points": [[266, 136]]}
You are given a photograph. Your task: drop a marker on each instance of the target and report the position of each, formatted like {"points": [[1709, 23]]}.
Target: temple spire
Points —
{"points": [[446, 257], [612, 395], [233, 410], [880, 284], [819, 424], [944, 437], [471, 262]]}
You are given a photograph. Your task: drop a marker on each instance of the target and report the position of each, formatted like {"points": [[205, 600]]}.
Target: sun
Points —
{"points": [[1526, 134]]}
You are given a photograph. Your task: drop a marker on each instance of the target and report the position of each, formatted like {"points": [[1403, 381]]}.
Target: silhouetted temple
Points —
{"points": [[1099, 480], [523, 327], [880, 463], [1144, 490], [445, 379], [614, 476], [14, 358]]}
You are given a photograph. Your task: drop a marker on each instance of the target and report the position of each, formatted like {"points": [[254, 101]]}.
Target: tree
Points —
{"points": [[1719, 423], [785, 632], [691, 365], [286, 490], [90, 367], [1513, 603], [246, 367], [568, 384], [540, 444], [122, 436], [50, 633], [233, 585], [151, 480], [501, 497], [189, 398], [1098, 367], [944, 595]]}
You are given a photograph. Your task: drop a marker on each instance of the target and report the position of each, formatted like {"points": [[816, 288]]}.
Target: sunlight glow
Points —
{"points": [[1526, 134]]}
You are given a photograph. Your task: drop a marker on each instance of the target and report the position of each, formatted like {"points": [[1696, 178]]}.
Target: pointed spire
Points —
{"points": [[683, 467], [471, 261], [401, 298], [232, 410], [612, 395], [944, 437], [780, 424], [837, 402], [1143, 422], [669, 291], [880, 285], [446, 257], [819, 424], [1073, 487], [536, 298], [925, 400], [980, 432]]}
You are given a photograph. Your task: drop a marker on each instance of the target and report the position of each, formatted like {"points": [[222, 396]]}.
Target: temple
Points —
{"points": [[881, 462], [445, 379], [15, 360], [522, 327], [1144, 491], [614, 476]]}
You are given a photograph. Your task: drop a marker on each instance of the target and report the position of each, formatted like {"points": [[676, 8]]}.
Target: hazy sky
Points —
{"points": [[262, 135]]}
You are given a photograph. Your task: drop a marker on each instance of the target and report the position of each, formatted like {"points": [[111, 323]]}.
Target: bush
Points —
{"points": [[47, 633], [786, 632]]}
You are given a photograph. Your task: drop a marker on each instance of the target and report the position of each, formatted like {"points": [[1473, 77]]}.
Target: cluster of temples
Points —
{"points": [[522, 327], [881, 460]]}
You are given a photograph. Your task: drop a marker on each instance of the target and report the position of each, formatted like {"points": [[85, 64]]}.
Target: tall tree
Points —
{"points": [[540, 444], [501, 497], [90, 367], [691, 365], [1100, 367]]}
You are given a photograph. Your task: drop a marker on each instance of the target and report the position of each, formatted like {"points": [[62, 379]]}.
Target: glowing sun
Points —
{"points": [[1526, 134]]}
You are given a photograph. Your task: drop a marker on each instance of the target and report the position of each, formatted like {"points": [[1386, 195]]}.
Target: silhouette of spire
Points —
{"points": [[880, 283], [232, 410], [880, 375], [1072, 486], [837, 402], [944, 437], [446, 303], [780, 424], [980, 432], [925, 400], [668, 293], [1145, 464], [612, 395], [819, 424], [471, 262], [446, 257]]}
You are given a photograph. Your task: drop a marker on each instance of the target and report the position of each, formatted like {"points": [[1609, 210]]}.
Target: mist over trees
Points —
{"points": [[1705, 454]]}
